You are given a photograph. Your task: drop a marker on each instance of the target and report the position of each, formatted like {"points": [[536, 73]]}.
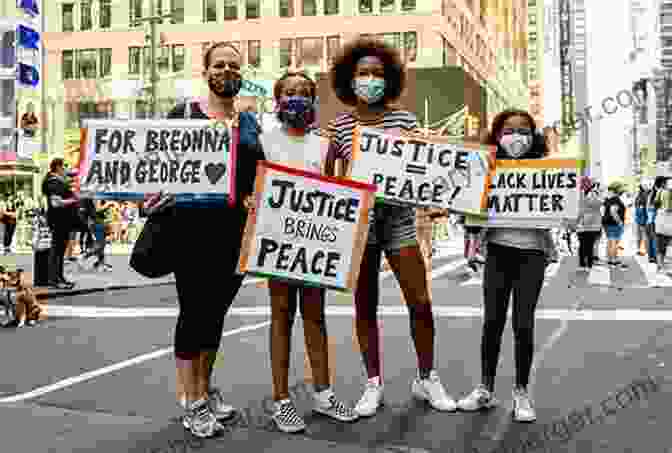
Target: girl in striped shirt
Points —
{"points": [[369, 76]]}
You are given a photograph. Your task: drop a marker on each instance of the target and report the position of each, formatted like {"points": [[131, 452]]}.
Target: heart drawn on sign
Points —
{"points": [[215, 172]]}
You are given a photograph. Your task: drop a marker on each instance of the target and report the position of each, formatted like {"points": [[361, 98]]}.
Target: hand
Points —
{"points": [[158, 203], [250, 203]]}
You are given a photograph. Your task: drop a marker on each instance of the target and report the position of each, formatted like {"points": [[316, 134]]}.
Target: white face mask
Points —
{"points": [[516, 145]]}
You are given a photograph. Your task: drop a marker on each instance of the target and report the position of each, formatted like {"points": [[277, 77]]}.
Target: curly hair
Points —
{"points": [[343, 69], [279, 84], [539, 147]]}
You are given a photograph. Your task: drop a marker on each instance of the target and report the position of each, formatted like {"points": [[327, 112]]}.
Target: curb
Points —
{"points": [[41, 293]]}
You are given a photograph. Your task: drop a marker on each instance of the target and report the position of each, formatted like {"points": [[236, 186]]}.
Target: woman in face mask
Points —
{"points": [[292, 144], [369, 76], [515, 262]]}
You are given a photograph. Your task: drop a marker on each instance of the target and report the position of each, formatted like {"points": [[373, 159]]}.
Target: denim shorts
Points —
{"points": [[392, 227], [614, 232]]}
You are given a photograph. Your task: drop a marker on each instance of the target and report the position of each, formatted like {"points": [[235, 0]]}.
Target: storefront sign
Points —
{"points": [[532, 194], [306, 227], [422, 171], [128, 159]]}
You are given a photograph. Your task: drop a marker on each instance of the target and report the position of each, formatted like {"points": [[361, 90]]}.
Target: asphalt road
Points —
{"points": [[95, 380]]}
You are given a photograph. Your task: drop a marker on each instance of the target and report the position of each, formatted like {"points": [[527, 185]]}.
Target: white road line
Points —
{"points": [[653, 278], [112, 368], [600, 276]]}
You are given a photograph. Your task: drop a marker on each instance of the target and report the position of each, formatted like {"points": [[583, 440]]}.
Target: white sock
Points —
{"points": [[324, 395], [376, 380], [183, 402]]}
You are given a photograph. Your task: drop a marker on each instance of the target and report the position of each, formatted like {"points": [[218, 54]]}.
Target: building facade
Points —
{"points": [[98, 62]]}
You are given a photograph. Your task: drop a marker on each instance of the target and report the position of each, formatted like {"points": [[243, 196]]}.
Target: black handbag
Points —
{"points": [[154, 251]]}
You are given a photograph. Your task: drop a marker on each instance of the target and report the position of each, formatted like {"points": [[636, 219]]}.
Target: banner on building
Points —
{"points": [[128, 159], [535, 193], [306, 227], [421, 170]]}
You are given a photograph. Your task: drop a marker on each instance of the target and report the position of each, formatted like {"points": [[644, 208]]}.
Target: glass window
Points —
{"points": [[311, 52], [392, 39], [68, 64], [386, 6], [163, 59], [286, 52], [8, 57], [230, 9], [330, 7], [134, 12], [411, 45], [286, 8], [105, 14], [68, 17], [252, 8], [86, 19], [309, 8], [177, 9], [333, 44], [408, 5], [365, 6], [143, 109], [134, 60], [105, 62], [253, 53], [87, 62], [209, 11], [178, 58], [667, 42]]}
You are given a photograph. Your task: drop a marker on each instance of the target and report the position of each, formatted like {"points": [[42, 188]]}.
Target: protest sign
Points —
{"points": [[422, 170], [306, 227], [125, 160], [534, 193]]}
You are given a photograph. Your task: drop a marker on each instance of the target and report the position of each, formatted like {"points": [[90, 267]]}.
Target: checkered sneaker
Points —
{"points": [[335, 409], [287, 418]]}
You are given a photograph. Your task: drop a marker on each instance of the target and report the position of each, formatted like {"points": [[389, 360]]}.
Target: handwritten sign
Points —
{"points": [[306, 227], [422, 171], [127, 159], [535, 193]]}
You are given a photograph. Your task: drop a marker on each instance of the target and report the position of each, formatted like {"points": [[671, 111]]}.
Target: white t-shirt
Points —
{"points": [[298, 152]]}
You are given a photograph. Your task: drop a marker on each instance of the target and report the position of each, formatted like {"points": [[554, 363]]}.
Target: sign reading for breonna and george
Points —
{"points": [[422, 171], [128, 159], [534, 193], [306, 227]]}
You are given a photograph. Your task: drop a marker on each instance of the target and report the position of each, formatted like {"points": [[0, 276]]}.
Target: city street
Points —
{"points": [[99, 374]]}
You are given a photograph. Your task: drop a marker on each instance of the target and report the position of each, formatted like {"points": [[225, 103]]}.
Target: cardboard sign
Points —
{"points": [[535, 193], [306, 227], [422, 171], [124, 160]]}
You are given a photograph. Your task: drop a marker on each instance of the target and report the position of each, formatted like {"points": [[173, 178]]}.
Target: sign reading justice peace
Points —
{"points": [[127, 159]]}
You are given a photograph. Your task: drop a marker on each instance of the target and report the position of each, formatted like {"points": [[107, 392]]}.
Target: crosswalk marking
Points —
{"points": [[654, 279], [600, 276]]}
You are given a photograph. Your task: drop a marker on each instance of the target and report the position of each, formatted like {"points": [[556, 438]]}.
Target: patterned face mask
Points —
{"points": [[516, 145], [369, 89], [296, 111]]}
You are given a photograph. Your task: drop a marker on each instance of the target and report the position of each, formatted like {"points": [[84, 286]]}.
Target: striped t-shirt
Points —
{"points": [[341, 128]]}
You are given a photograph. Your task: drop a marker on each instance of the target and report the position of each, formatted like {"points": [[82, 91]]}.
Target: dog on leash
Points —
{"points": [[24, 309]]}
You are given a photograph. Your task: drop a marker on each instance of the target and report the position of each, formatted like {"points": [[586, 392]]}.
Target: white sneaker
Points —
{"points": [[327, 404], [371, 400], [221, 410], [200, 420], [480, 398], [523, 410], [432, 390]]}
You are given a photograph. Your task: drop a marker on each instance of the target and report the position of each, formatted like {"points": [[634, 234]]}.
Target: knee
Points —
{"points": [[524, 332]]}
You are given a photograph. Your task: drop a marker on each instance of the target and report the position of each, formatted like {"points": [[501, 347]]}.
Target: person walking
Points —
{"points": [[220, 231], [62, 217], [369, 76], [663, 225], [651, 211], [613, 221], [292, 144], [9, 216], [640, 218], [515, 263], [589, 223]]}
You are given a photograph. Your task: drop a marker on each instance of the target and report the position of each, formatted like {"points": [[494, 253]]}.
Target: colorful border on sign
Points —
{"points": [[251, 224], [309, 174], [361, 238]]}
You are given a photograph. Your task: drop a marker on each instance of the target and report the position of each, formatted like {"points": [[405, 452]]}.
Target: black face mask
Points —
{"points": [[227, 88]]}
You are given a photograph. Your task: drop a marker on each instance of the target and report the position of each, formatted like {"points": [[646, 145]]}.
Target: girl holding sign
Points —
{"points": [[291, 144], [369, 76], [515, 263]]}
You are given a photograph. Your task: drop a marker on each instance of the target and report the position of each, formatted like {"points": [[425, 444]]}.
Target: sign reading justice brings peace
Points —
{"points": [[422, 171], [306, 227], [127, 159]]}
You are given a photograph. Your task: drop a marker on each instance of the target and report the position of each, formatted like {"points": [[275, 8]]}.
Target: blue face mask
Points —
{"points": [[369, 89], [296, 111]]}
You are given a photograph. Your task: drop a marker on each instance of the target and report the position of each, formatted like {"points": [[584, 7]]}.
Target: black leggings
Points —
{"points": [[586, 245], [507, 270], [10, 228]]}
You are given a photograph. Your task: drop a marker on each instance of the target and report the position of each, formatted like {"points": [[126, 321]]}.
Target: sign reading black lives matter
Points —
{"points": [[127, 159], [306, 227], [422, 171], [534, 193]]}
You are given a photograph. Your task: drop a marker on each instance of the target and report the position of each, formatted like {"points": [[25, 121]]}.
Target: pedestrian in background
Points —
{"points": [[515, 263], [369, 76], [613, 220], [9, 216], [589, 223], [651, 210], [640, 218], [663, 226]]}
